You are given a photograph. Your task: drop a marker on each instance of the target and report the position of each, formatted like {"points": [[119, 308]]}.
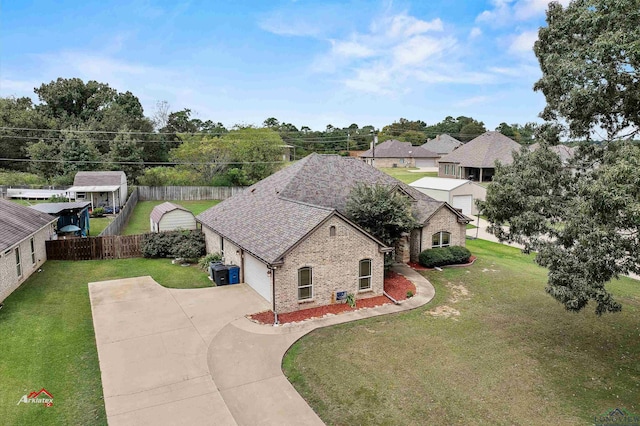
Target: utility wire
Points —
{"points": [[150, 163]]}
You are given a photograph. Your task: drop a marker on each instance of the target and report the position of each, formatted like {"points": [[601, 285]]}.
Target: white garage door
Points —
{"points": [[425, 162], [463, 202], [255, 274]]}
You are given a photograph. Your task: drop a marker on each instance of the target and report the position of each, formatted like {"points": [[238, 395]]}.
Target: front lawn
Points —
{"points": [[491, 348], [47, 338], [405, 175], [139, 219]]}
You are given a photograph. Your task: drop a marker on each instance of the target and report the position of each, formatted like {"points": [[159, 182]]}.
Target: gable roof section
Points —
{"points": [[441, 184], [484, 151], [442, 144], [396, 149], [98, 178], [19, 222], [159, 210], [270, 217]]}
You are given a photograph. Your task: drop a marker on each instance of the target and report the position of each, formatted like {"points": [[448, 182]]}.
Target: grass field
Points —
{"points": [[405, 175], [508, 354], [97, 224], [139, 220], [47, 336]]}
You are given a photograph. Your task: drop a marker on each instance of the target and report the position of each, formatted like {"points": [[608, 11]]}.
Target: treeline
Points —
{"points": [[91, 126]]}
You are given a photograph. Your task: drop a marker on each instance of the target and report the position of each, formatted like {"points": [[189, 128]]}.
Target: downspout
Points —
{"points": [[392, 299], [273, 296]]}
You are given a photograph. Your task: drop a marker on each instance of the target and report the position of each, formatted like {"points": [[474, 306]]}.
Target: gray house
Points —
{"points": [[102, 189], [23, 232], [442, 144], [294, 244], [476, 159], [393, 153]]}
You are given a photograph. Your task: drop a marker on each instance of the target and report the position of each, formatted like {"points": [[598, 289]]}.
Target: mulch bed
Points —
{"points": [[419, 267], [395, 285]]}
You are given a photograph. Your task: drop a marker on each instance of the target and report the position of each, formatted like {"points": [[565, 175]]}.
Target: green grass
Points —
{"points": [[512, 356], [404, 175], [97, 224], [27, 202], [470, 226], [47, 338], [139, 220]]}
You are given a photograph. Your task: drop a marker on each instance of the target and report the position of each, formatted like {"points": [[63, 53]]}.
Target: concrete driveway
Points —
{"points": [[174, 357]]}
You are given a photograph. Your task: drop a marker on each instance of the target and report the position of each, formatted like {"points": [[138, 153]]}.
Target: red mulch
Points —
{"points": [[419, 267], [394, 284]]}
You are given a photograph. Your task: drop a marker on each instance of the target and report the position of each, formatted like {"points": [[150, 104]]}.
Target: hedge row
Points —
{"points": [[183, 244], [453, 255]]}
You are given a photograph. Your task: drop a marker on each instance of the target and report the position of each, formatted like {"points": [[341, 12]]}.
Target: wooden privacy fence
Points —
{"points": [[95, 248], [187, 193], [118, 224]]}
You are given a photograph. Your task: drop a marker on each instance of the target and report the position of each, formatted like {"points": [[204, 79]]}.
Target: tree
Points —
{"points": [[207, 155], [126, 155], [590, 60], [42, 153], [413, 136], [78, 153], [383, 212], [259, 150]]}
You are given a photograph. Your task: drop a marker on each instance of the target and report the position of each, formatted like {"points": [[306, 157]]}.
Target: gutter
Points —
{"points": [[392, 299]]}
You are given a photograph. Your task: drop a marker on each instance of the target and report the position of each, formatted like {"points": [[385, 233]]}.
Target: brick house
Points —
{"points": [[296, 248], [23, 232], [393, 153]]}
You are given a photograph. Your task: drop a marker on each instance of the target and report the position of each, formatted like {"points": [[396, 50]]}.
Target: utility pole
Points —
{"points": [[375, 141]]}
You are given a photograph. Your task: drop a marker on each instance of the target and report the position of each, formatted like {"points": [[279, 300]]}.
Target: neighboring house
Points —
{"points": [[294, 244], [565, 152], [393, 153], [23, 232], [68, 214], [171, 217], [101, 189], [461, 194], [442, 144], [476, 159], [35, 194]]}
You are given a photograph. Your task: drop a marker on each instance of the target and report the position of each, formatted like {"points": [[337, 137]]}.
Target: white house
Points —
{"points": [[461, 194], [23, 232], [103, 189], [171, 217]]}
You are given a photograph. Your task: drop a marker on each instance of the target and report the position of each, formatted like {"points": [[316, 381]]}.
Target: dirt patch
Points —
{"points": [[444, 311], [458, 293]]}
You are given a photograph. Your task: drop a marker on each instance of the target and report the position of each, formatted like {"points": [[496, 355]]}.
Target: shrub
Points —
{"points": [[58, 199], [409, 294], [97, 212], [206, 260], [184, 244], [444, 256]]}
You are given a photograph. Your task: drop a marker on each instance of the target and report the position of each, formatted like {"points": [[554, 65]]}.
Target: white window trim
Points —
{"points": [[360, 277], [18, 261], [305, 286], [440, 245], [32, 247]]}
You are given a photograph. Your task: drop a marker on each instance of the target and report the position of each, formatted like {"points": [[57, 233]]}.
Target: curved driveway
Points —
{"points": [[170, 356]]}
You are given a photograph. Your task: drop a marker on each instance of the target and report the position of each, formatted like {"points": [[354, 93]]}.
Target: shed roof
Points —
{"points": [[442, 144], [484, 151], [18, 222], [101, 178], [57, 208], [270, 217], [443, 184], [396, 149], [160, 210], [94, 188]]}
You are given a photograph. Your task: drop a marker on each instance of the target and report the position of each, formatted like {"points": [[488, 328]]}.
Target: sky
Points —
{"points": [[305, 62]]}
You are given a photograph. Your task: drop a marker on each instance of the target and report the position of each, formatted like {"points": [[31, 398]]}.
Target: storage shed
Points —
{"points": [[461, 194], [171, 217]]}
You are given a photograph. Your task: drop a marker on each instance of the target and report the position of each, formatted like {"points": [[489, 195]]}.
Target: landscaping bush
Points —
{"points": [[183, 244], [58, 199], [444, 256], [206, 260], [97, 212]]}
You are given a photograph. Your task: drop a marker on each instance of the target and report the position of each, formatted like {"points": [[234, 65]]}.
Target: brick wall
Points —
{"points": [[9, 280], [389, 162], [443, 220], [335, 262]]}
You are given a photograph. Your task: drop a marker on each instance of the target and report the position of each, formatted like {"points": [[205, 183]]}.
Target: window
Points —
{"points": [[81, 195], [332, 231], [364, 280], [305, 283], [440, 239], [33, 252], [18, 266]]}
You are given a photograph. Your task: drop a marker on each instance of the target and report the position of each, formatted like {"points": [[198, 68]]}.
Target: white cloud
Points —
{"points": [[11, 87], [506, 11], [416, 50], [475, 32], [523, 42], [472, 101], [351, 49], [280, 25], [527, 9]]}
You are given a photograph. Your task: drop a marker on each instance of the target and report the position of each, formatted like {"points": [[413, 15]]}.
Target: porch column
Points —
{"points": [[113, 201], [91, 200], [480, 174]]}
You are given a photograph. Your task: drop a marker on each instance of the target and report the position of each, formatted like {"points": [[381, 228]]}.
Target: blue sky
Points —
{"points": [[305, 62]]}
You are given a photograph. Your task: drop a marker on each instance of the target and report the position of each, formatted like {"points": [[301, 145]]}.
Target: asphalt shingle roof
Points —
{"points": [[565, 152], [159, 210], [396, 149], [98, 178], [19, 222], [268, 218], [442, 144], [483, 151]]}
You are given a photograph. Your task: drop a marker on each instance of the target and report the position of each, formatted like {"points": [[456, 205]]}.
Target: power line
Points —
{"points": [[142, 163]]}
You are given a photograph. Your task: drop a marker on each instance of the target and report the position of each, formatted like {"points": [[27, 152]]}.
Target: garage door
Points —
{"points": [[463, 202], [255, 274], [425, 162]]}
